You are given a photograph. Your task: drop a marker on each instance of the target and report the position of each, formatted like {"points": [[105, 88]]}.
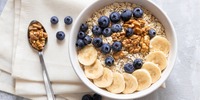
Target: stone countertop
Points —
{"points": [[183, 83]]}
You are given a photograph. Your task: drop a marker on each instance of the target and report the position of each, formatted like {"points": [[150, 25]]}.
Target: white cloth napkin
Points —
{"points": [[26, 64], [28, 67], [6, 82], [6, 36]]}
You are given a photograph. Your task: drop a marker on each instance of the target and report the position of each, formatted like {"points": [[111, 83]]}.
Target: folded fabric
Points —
{"points": [[74, 96], [17, 6], [6, 82], [6, 36], [26, 62], [25, 88]]}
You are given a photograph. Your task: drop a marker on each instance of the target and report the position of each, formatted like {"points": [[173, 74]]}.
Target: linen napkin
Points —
{"points": [[26, 64], [73, 85], [6, 30], [6, 82], [6, 36]]}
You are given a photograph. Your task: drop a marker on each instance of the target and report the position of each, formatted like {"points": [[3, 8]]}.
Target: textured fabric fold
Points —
{"points": [[26, 62], [6, 36], [62, 74]]}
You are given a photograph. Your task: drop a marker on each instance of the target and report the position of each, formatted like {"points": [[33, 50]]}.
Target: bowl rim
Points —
{"points": [[100, 91]]}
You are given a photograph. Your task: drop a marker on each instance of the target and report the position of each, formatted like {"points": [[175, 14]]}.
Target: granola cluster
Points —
{"points": [[37, 36], [139, 42]]}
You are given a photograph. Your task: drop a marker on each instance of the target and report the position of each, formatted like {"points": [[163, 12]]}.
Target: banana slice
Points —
{"points": [[131, 83], [118, 84], [87, 56], [159, 58], [153, 69], [105, 80], [144, 79], [159, 43], [94, 71]]}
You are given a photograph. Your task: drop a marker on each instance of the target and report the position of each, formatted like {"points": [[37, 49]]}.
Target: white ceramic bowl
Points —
{"points": [[157, 12]]}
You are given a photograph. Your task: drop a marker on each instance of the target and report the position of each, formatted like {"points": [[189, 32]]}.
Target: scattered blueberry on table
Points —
{"points": [[109, 61], [54, 20], [87, 97], [97, 97], [60, 35], [68, 20], [94, 97]]}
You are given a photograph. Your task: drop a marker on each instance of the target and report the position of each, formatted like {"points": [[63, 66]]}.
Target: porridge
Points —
{"points": [[122, 48]]}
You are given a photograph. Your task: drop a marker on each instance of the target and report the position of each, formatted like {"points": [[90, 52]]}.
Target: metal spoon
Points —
{"points": [[38, 42]]}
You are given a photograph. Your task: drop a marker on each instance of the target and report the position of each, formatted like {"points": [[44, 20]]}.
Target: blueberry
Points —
{"points": [[68, 20], [109, 61], [60, 35], [97, 97], [103, 21], [137, 63], [116, 28], [84, 27], [137, 12], [152, 33], [87, 39], [81, 35], [107, 32], [117, 46], [80, 43], [96, 30], [97, 42], [126, 15], [105, 48], [129, 32], [129, 68], [54, 20], [87, 97], [114, 17]]}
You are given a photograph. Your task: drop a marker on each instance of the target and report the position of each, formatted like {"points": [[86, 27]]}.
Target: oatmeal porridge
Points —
{"points": [[122, 48]]}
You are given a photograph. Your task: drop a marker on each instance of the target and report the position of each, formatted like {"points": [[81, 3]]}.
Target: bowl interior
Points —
{"points": [[157, 12]]}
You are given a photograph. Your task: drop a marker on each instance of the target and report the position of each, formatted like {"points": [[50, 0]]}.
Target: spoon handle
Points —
{"points": [[48, 87]]}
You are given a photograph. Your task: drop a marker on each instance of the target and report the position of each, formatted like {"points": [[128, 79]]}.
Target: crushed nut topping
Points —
{"points": [[37, 36]]}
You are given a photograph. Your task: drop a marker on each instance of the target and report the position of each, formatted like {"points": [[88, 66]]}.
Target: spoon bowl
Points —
{"points": [[37, 35], [38, 38]]}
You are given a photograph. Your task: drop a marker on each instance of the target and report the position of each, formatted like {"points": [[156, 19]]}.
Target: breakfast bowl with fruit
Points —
{"points": [[123, 49]]}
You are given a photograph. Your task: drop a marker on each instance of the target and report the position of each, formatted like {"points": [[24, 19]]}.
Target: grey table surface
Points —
{"points": [[184, 81]]}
